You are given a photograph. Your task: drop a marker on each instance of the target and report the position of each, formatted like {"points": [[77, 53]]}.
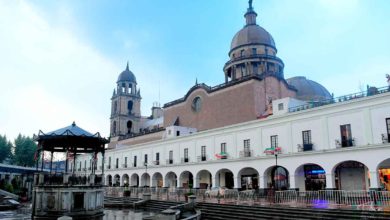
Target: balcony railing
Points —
{"points": [[185, 160], [385, 138], [344, 98], [202, 158], [246, 153], [305, 147], [62, 179], [156, 162], [345, 143], [169, 161]]}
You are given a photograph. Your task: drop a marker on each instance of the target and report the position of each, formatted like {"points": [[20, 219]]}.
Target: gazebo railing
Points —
{"points": [[59, 179]]}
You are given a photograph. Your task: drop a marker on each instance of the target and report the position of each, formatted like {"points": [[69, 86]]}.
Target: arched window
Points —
{"points": [[123, 88], [114, 128], [130, 88], [115, 106], [129, 126], [130, 106]]}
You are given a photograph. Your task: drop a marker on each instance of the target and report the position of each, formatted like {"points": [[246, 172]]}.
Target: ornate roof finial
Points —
{"points": [[127, 66], [250, 14], [73, 124], [196, 81]]}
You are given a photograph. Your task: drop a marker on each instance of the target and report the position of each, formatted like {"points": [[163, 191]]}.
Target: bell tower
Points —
{"points": [[125, 105]]}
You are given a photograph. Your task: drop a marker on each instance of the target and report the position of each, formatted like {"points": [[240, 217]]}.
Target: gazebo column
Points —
{"points": [[51, 161]]}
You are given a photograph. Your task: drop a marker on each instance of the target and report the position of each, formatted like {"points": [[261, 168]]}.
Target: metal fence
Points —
{"points": [[367, 200]]}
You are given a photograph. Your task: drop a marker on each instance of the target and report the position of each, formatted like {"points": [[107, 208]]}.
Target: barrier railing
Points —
{"points": [[370, 200]]}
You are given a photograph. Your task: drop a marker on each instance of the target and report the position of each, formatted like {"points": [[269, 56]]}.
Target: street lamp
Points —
{"points": [[146, 171], [276, 170]]}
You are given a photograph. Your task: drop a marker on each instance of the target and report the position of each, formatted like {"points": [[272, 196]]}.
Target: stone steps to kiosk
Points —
{"points": [[157, 205], [118, 202], [223, 211]]}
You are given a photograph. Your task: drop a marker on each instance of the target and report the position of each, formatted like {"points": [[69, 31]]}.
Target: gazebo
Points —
{"points": [[55, 194]]}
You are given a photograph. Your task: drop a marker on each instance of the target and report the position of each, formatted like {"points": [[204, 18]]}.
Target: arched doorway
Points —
{"points": [[117, 180], [384, 174], [276, 177], [203, 179], [224, 178], [134, 180], [145, 180], [310, 177], [186, 180], [129, 126], [351, 175], [109, 180], [125, 180], [248, 178], [171, 180], [157, 180]]}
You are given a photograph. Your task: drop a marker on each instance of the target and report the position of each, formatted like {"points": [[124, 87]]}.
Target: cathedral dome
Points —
{"points": [[252, 34], [127, 76], [309, 90]]}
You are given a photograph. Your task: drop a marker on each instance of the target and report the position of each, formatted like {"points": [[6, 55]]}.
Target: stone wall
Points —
{"points": [[235, 104]]}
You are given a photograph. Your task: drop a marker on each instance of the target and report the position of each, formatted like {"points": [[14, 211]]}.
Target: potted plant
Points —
{"points": [[190, 193]]}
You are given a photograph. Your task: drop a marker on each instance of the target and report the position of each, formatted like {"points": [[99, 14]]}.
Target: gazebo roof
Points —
{"points": [[72, 138]]}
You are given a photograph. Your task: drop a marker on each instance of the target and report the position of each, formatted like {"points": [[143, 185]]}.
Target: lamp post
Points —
{"points": [[276, 170], [146, 171]]}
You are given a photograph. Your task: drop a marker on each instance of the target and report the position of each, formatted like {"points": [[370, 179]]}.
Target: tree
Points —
{"points": [[5, 148], [24, 152]]}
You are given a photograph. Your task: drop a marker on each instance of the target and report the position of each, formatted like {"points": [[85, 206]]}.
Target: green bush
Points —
{"points": [[9, 188]]}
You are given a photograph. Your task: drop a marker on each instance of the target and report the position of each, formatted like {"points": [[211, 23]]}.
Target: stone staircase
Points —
{"points": [[156, 205], [214, 211]]}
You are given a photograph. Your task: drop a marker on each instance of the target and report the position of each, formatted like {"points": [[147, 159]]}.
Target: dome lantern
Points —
{"points": [[250, 15], [127, 75]]}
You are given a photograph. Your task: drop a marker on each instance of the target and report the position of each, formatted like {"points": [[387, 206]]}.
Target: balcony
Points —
{"points": [[185, 160], [156, 162], [169, 161], [124, 165], [221, 156], [202, 158], [385, 138], [345, 143], [246, 153], [305, 147]]}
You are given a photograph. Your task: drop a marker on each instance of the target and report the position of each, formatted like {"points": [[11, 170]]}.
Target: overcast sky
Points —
{"points": [[59, 60]]}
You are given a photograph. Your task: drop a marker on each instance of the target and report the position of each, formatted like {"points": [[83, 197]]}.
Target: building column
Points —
{"points": [[374, 183], [262, 184], [329, 181], [215, 182], [291, 179], [196, 182], [237, 182]]}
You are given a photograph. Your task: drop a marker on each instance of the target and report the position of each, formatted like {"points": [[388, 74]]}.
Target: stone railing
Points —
{"points": [[59, 179], [330, 198]]}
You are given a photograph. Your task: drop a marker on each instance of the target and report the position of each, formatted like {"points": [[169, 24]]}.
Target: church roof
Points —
{"points": [[309, 90], [127, 76]]}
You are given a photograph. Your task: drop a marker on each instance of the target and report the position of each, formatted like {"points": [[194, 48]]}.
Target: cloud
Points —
{"points": [[50, 77]]}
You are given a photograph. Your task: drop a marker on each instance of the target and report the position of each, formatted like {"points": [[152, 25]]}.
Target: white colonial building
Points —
{"points": [[257, 130]]}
